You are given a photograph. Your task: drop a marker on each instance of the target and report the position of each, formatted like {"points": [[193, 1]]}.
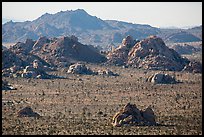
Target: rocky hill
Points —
{"points": [[90, 30], [150, 53], [50, 52], [65, 50]]}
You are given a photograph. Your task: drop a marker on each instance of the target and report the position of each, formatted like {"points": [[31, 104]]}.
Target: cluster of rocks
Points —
{"points": [[106, 72], [51, 52], [36, 70], [160, 78], [130, 115], [150, 53], [27, 112], [80, 68]]}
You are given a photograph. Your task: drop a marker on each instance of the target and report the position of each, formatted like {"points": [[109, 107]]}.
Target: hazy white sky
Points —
{"points": [[157, 14]]}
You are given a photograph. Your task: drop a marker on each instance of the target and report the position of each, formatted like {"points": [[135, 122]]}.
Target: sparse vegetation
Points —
{"points": [[85, 104]]}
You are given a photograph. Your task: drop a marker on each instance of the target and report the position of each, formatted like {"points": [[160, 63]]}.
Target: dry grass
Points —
{"points": [[85, 104]]}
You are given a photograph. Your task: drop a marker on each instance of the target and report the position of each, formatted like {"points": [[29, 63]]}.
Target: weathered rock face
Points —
{"points": [[131, 115], [159, 78], [27, 112], [79, 68]]}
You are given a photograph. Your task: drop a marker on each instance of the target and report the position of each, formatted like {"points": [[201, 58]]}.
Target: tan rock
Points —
{"points": [[131, 115]]}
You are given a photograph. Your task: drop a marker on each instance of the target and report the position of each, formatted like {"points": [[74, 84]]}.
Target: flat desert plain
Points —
{"points": [[85, 104]]}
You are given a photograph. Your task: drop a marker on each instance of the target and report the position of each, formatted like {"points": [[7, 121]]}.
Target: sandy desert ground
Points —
{"points": [[85, 104]]}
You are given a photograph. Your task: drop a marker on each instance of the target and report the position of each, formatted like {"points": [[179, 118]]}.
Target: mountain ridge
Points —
{"points": [[89, 29]]}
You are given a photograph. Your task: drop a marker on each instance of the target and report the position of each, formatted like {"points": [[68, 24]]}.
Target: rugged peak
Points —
{"points": [[80, 10]]}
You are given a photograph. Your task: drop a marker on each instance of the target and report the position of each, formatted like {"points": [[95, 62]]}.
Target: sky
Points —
{"points": [[156, 14]]}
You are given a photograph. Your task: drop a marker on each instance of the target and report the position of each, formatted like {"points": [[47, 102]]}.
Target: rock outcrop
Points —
{"points": [[27, 112], [35, 70], [80, 68], [150, 53], [119, 55], [63, 51], [160, 78], [130, 115], [50, 53]]}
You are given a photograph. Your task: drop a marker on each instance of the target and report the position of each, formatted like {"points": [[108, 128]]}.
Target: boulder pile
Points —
{"points": [[35, 70], [160, 78], [119, 55], [151, 54], [130, 115], [80, 68], [51, 52]]}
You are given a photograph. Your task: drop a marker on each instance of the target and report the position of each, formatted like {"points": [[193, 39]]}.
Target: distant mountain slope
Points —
{"points": [[187, 48], [197, 31], [182, 36], [90, 30]]}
